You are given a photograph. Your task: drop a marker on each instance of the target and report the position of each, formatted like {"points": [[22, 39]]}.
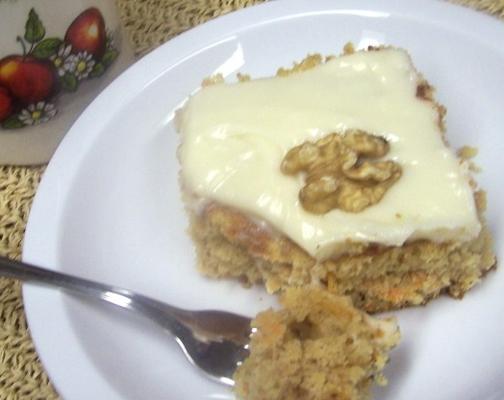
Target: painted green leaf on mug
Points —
{"points": [[46, 48], [109, 56], [69, 82], [34, 29], [12, 122], [97, 71]]}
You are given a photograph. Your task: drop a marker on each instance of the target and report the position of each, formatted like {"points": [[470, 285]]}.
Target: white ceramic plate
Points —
{"points": [[108, 207]]}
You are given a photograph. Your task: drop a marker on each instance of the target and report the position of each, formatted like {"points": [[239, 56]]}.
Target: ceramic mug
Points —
{"points": [[55, 57]]}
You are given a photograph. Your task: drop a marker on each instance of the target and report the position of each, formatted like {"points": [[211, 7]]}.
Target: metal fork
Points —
{"points": [[215, 341]]}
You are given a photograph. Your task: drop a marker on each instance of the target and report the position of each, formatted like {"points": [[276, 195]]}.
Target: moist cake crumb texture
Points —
{"points": [[377, 278], [317, 347]]}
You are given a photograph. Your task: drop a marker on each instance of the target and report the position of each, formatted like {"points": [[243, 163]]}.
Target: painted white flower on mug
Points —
{"points": [[81, 65], [37, 113], [62, 59]]}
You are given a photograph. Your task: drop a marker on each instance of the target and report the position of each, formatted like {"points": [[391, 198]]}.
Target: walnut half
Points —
{"points": [[342, 171]]}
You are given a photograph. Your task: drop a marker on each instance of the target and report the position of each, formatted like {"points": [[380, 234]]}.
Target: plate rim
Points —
{"points": [[41, 243]]}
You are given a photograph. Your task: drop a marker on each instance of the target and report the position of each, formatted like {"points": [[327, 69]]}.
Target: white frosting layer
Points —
{"points": [[234, 137]]}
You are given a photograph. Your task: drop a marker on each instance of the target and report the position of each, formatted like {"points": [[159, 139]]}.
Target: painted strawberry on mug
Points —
{"points": [[87, 33], [30, 82]]}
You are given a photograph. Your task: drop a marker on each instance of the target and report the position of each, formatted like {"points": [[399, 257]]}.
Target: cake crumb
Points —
{"points": [[311, 61], [467, 152], [243, 77], [212, 80], [348, 48]]}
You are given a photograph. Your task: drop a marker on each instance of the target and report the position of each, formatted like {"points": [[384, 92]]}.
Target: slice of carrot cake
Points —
{"points": [[337, 173], [317, 347]]}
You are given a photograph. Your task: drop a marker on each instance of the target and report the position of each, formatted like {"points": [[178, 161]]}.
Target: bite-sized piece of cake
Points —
{"points": [[336, 173], [317, 347]]}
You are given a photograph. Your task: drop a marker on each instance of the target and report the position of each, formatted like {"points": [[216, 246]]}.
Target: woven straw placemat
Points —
{"points": [[148, 23]]}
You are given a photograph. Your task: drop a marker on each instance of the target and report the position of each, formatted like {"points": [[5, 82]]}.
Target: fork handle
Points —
{"points": [[160, 313], [30, 273]]}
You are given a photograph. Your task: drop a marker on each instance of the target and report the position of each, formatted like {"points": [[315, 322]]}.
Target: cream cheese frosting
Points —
{"points": [[234, 137]]}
